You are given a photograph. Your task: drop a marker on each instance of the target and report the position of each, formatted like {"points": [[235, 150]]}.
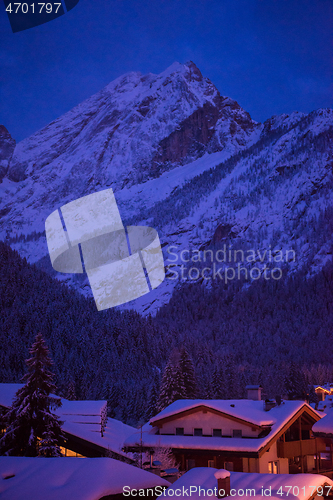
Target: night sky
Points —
{"points": [[271, 56]]}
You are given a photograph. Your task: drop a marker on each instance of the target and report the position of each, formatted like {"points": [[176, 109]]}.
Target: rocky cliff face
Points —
{"points": [[134, 129], [183, 159], [7, 146], [188, 141]]}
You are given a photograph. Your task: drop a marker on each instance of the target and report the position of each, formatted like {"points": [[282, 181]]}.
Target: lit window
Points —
{"points": [[273, 467], [69, 453]]}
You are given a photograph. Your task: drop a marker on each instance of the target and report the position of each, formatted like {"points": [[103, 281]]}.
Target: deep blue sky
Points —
{"points": [[272, 56]]}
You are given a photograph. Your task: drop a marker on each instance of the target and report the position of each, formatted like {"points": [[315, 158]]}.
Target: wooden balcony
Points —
{"points": [[291, 449]]}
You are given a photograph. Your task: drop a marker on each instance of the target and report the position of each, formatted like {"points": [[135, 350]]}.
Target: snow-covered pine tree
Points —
{"points": [[188, 372], [218, 383], [295, 383], [49, 444], [313, 398], [153, 398], [172, 385], [71, 393], [31, 416]]}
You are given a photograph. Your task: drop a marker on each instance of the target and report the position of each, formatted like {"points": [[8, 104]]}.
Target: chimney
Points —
{"points": [[223, 483], [269, 404], [254, 392]]}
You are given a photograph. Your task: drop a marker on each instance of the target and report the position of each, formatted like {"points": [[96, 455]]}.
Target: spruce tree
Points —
{"points": [[172, 385], [231, 377], [71, 393], [49, 444], [188, 373], [153, 398], [313, 398], [31, 418], [218, 383], [295, 383]]}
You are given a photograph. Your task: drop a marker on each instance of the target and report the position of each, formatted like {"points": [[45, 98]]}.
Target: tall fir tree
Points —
{"points": [[153, 398], [172, 385], [49, 444], [231, 377], [71, 392], [32, 428], [295, 383], [218, 383], [313, 398], [188, 373]]}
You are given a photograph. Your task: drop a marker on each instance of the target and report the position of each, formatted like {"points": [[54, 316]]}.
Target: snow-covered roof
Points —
{"points": [[279, 416], [324, 425], [328, 387], [325, 405], [82, 419], [244, 409], [114, 434], [70, 478], [297, 486]]}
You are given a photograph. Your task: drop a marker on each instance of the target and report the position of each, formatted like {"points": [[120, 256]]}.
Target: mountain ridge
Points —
{"points": [[184, 159]]}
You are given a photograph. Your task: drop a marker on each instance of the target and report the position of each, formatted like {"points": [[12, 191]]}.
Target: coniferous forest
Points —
{"points": [[277, 333]]}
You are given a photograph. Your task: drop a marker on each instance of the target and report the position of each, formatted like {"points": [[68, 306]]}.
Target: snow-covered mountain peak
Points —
{"points": [[134, 129], [180, 157]]}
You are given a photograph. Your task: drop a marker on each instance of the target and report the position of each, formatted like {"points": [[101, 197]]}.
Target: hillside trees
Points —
{"points": [[178, 381], [234, 334]]}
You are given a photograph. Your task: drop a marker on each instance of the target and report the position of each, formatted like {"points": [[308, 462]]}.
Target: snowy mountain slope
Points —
{"points": [[274, 197], [134, 129], [7, 146], [185, 160]]}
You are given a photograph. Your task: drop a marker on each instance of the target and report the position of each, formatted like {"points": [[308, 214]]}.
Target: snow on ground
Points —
{"points": [[280, 486], [24, 478]]}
